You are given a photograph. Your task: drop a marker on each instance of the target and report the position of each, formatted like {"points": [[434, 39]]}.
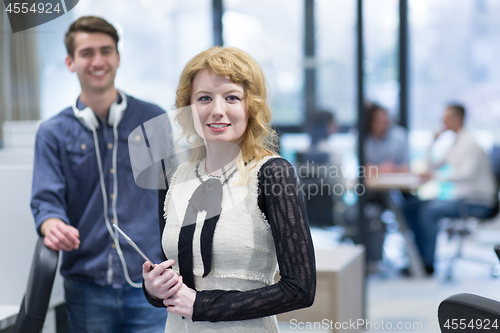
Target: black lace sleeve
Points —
{"points": [[292, 238]]}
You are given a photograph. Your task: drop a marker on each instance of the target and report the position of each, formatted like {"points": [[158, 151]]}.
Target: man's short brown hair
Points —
{"points": [[458, 110], [90, 24]]}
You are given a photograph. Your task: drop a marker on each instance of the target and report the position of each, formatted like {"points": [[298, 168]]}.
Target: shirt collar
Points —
{"points": [[80, 105]]}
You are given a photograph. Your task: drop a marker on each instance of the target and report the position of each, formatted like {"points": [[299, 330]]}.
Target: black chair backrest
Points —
{"points": [[495, 167], [495, 162], [36, 300], [469, 313], [313, 171]]}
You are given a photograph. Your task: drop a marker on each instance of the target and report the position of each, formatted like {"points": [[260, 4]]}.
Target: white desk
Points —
{"points": [[17, 242], [339, 290]]}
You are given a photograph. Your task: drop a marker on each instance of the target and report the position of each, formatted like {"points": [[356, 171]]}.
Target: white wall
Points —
{"points": [[17, 228]]}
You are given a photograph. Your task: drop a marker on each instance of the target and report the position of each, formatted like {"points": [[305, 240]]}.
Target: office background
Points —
{"points": [[309, 51]]}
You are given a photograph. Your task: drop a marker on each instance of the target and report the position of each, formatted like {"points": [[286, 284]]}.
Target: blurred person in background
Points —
{"points": [[473, 181], [386, 150], [386, 145]]}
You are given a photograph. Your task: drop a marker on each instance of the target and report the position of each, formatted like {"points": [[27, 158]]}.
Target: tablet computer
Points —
{"points": [[134, 245]]}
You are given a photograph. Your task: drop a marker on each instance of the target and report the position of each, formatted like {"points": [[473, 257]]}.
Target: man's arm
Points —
{"points": [[59, 235], [48, 203]]}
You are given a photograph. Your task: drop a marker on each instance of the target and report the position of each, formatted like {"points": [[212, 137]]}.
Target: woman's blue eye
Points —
{"points": [[204, 98], [233, 98]]}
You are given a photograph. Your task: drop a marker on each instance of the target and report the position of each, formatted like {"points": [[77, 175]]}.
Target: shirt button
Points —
{"points": [[113, 246], [112, 221], [111, 171], [137, 138], [110, 146], [112, 196], [83, 146]]}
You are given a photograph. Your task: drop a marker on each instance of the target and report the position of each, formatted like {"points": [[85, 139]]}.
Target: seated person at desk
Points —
{"points": [[386, 151], [386, 145], [473, 181]]}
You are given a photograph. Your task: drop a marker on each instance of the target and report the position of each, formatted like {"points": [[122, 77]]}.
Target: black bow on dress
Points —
{"points": [[207, 197]]}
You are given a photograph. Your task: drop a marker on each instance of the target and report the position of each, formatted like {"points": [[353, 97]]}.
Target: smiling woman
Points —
{"points": [[220, 106], [224, 264]]}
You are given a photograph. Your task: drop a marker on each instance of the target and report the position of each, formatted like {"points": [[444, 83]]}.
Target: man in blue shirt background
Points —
{"points": [[83, 183]]}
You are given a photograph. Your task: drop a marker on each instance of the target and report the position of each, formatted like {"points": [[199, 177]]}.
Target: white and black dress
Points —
{"points": [[231, 259]]}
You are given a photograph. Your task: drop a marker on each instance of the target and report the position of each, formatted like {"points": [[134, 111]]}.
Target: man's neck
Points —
{"points": [[99, 102]]}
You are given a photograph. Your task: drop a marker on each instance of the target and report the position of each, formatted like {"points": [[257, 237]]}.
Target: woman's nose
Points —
{"points": [[218, 111]]}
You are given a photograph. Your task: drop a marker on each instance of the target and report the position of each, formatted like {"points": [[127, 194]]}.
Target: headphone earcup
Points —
{"points": [[116, 110], [87, 118]]}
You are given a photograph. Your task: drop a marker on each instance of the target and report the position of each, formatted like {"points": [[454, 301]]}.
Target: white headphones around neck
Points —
{"points": [[88, 118]]}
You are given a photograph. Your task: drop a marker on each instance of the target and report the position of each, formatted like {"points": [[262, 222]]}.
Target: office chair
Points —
{"points": [[313, 169], [36, 300], [466, 313], [462, 227]]}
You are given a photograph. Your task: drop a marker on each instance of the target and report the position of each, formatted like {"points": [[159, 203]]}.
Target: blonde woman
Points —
{"points": [[233, 214]]}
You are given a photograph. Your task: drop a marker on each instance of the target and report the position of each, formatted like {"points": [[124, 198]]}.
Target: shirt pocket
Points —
{"points": [[81, 156]]}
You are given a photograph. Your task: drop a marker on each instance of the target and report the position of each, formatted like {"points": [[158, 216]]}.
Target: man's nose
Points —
{"points": [[98, 60]]}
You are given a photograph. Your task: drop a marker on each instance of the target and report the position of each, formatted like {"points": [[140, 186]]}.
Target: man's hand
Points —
{"points": [[438, 133], [59, 235], [426, 176]]}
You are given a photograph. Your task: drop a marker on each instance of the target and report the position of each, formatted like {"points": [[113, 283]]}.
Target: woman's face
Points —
{"points": [[220, 106], [381, 123]]}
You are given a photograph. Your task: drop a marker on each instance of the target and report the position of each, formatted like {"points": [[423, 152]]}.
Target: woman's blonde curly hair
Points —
{"points": [[260, 139]]}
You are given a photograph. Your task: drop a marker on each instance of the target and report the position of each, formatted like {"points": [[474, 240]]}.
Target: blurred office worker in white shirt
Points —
{"points": [[473, 182]]}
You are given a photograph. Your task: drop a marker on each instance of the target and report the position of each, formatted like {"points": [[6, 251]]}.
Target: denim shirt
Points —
{"points": [[66, 185]]}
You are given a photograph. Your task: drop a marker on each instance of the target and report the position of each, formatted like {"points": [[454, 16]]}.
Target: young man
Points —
{"points": [[80, 191], [474, 187]]}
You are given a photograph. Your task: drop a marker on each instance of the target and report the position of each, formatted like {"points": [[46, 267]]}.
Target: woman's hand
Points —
{"points": [[181, 302], [161, 281]]}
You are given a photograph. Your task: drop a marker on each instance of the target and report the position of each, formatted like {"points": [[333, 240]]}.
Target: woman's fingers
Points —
{"points": [[174, 289], [161, 279], [181, 302], [161, 268]]}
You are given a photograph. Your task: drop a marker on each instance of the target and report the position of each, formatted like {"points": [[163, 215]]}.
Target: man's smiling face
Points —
{"points": [[95, 61]]}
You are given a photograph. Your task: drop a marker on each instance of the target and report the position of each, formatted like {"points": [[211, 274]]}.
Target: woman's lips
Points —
{"points": [[218, 127]]}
